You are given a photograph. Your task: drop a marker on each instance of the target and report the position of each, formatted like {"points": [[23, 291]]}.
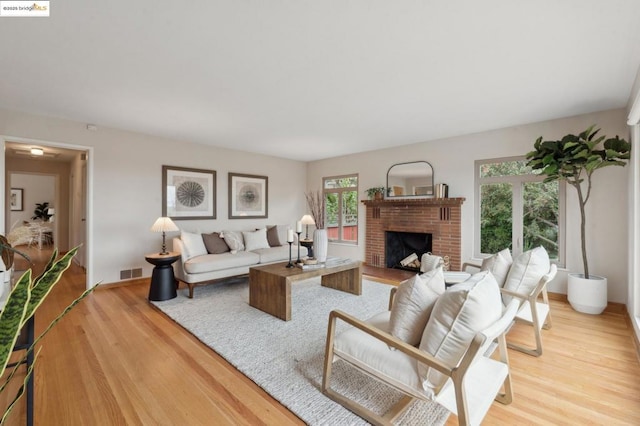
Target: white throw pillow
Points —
{"points": [[429, 262], [193, 244], [499, 265], [526, 271], [458, 315], [413, 303], [234, 240], [254, 240]]}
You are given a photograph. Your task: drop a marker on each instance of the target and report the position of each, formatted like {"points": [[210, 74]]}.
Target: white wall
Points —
{"points": [[36, 189], [453, 163], [127, 191]]}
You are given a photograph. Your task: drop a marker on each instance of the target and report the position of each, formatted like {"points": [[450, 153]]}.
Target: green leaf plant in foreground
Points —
{"points": [[24, 299]]}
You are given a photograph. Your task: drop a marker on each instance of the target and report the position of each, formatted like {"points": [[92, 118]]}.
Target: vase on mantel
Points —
{"points": [[320, 244]]}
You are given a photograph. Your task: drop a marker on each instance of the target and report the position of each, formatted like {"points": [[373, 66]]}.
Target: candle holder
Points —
{"points": [[290, 265], [299, 261]]}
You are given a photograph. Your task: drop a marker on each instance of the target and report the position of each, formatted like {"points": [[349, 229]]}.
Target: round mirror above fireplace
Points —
{"points": [[410, 180]]}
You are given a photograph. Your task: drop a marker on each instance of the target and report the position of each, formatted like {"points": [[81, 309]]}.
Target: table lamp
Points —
{"points": [[307, 220], [164, 224]]}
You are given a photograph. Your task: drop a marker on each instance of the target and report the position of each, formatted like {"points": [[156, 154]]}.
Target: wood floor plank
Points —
{"points": [[117, 360]]}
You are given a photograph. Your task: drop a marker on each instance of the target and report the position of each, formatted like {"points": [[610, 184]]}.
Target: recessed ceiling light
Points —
{"points": [[37, 151]]}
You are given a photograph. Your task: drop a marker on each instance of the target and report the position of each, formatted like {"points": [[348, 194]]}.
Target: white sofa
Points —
{"points": [[200, 264]]}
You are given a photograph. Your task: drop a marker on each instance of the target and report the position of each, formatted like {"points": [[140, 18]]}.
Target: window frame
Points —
{"points": [[339, 192], [517, 184]]}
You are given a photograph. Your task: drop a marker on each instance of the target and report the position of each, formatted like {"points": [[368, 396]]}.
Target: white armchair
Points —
{"points": [[466, 383], [534, 301]]}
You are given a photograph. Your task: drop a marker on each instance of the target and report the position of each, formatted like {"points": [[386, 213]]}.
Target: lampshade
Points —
{"points": [[307, 220], [51, 211], [164, 224]]}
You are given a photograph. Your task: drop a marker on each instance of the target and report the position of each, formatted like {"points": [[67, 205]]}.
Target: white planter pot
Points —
{"points": [[320, 244], [588, 296]]}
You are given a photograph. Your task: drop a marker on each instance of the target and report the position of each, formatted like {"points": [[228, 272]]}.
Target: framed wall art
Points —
{"points": [[17, 195], [188, 193], [248, 196]]}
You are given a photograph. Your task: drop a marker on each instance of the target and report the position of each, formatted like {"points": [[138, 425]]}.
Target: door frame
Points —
{"points": [[88, 196]]}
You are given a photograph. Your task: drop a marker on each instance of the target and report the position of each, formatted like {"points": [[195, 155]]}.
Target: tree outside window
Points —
{"points": [[341, 204], [517, 210]]}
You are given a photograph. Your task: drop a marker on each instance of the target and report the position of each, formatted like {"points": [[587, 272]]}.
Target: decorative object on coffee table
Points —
{"points": [[290, 241], [315, 201], [164, 225], [298, 231]]}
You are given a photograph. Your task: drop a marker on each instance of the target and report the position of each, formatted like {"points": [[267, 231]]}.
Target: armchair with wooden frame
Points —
{"points": [[471, 386], [534, 308]]}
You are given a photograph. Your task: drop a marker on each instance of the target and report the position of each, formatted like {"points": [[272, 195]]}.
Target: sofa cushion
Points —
{"points": [[278, 254], [234, 240], [214, 244], [218, 262], [458, 315], [193, 244], [499, 265], [413, 303], [526, 271], [282, 234], [254, 240], [272, 236]]}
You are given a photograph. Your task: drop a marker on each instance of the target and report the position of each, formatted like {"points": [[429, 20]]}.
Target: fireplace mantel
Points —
{"points": [[441, 217]]}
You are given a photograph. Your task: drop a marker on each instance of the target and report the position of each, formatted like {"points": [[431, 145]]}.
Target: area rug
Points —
{"points": [[285, 358]]}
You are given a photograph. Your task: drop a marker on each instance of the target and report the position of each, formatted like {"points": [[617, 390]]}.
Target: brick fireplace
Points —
{"points": [[440, 217]]}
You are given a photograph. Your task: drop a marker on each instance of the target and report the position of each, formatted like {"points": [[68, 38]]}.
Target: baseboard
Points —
{"points": [[136, 281], [612, 307]]}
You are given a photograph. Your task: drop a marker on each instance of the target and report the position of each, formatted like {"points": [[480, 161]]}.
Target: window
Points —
{"points": [[517, 209], [341, 204]]}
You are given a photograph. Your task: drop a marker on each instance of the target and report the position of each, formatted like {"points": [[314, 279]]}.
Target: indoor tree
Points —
{"points": [[574, 159]]}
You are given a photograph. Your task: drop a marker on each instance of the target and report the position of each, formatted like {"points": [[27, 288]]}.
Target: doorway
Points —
{"points": [[69, 165]]}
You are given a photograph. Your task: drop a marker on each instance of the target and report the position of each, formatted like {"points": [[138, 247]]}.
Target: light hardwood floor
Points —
{"points": [[116, 360]]}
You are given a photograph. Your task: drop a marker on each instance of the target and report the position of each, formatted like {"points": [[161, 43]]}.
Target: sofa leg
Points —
{"points": [[190, 290]]}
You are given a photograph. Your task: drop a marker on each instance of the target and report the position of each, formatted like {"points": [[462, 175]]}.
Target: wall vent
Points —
{"points": [[125, 274], [136, 273], [445, 213]]}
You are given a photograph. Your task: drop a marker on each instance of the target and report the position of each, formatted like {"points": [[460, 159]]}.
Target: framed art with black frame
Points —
{"points": [[248, 196], [17, 195], [188, 193]]}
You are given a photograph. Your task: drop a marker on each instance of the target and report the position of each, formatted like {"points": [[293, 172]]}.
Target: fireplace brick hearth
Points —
{"points": [[440, 217]]}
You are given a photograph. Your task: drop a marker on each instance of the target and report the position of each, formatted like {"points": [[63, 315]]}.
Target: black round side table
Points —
{"points": [[309, 245], [163, 282]]}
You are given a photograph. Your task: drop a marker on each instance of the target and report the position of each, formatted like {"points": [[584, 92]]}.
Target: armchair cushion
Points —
{"points": [[526, 271], [413, 303], [499, 265], [461, 312], [193, 244], [429, 262]]}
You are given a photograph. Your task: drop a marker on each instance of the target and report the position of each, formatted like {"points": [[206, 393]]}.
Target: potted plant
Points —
{"points": [[376, 193], [41, 212], [574, 159], [26, 296]]}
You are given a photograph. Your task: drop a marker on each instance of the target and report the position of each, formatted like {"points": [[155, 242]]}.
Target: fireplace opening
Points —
{"points": [[400, 245]]}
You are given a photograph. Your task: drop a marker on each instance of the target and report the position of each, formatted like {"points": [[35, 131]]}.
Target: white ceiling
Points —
{"points": [[309, 79]]}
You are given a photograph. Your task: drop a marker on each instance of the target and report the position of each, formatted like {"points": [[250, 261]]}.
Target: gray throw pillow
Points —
{"points": [[214, 244], [272, 236]]}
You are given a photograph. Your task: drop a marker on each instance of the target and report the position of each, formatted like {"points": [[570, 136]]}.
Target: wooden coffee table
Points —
{"points": [[270, 285]]}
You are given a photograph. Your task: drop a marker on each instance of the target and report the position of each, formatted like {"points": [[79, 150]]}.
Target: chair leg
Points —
{"points": [[507, 396]]}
